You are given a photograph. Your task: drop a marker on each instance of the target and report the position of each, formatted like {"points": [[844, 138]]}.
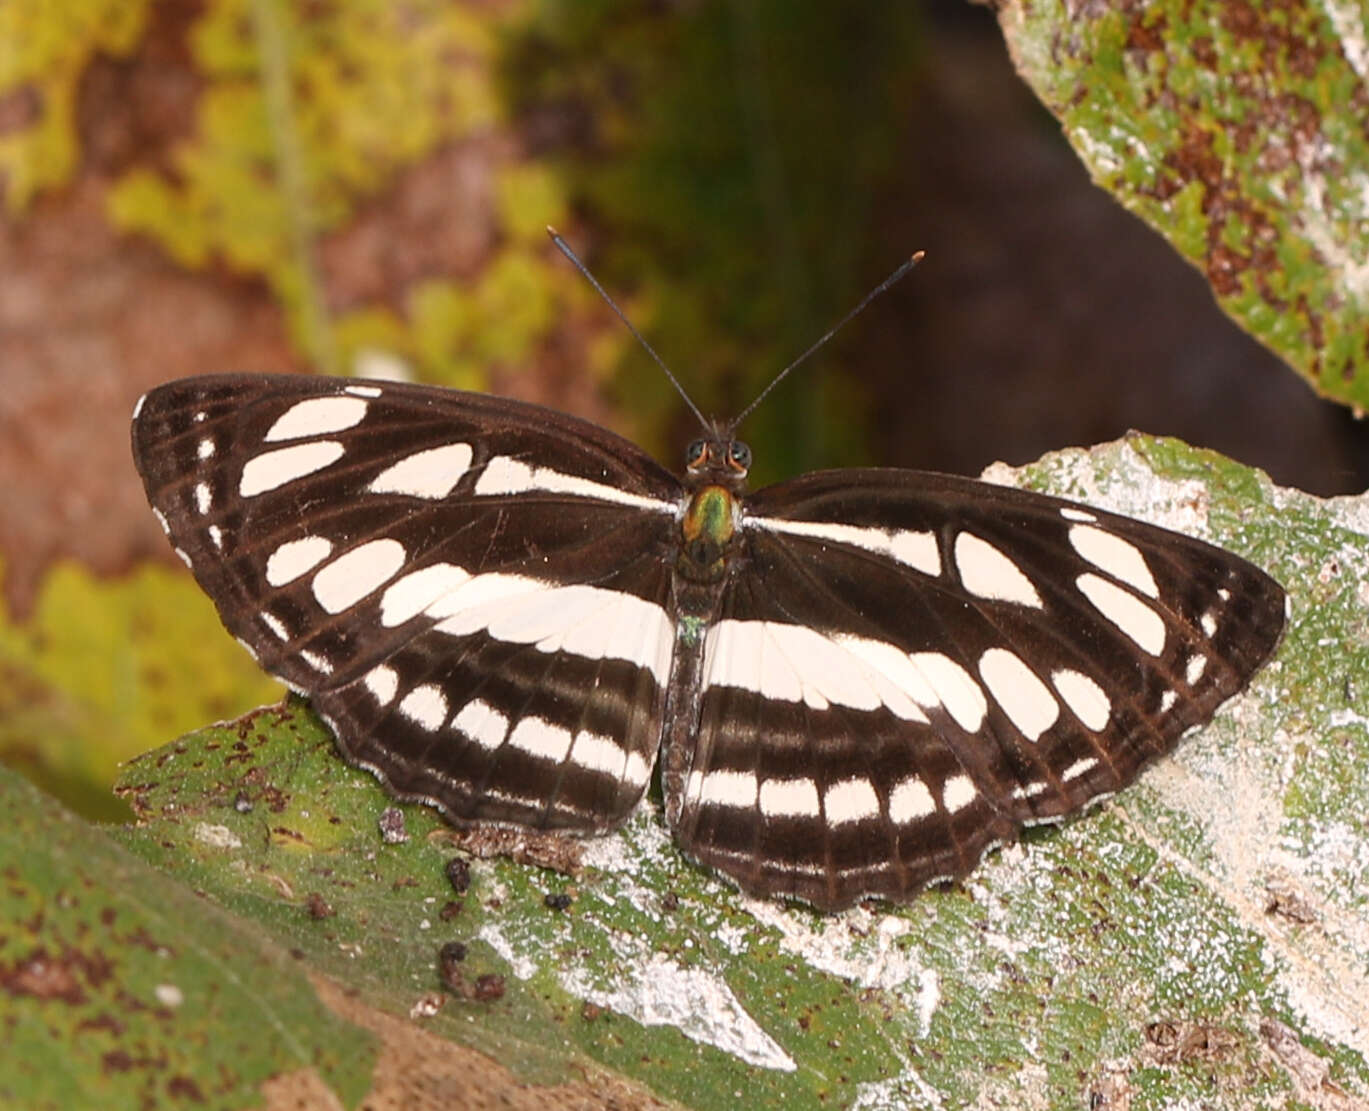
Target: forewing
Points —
{"points": [[472, 591], [909, 667]]}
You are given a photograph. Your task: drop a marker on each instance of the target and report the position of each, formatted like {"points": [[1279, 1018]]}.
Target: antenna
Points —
{"points": [[908, 264], [564, 248]]}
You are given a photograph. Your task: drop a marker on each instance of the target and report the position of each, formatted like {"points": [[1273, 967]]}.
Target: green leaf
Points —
{"points": [[120, 988], [1237, 132], [1199, 938]]}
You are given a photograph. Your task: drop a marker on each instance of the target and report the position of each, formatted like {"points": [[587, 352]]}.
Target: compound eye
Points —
{"points": [[739, 455], [696, 453]]}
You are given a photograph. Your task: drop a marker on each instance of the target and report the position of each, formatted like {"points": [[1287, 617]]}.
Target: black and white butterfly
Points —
{"points": [[858, 680]]}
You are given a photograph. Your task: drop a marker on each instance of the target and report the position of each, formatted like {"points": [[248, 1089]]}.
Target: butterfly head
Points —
{"points": [[718, 460]]}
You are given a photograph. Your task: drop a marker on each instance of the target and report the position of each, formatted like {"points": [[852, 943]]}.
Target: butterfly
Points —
{"points": [[855, 681]]}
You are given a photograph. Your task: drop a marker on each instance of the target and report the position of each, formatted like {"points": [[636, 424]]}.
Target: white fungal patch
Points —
{"points": [[988, 573], [295, 558], [317, 416], [356, 573], [1133, 618], [432, 473], [1119, 558], [273, 469]]}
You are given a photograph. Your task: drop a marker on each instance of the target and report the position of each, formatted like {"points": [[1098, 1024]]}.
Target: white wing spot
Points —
{"points": [[205, 450], [851, 800], [216, 536], [361, 391], [1194, 671], [1085, 698], [789, 798], [355, 574], [1167, 701], [1026, 700], [411, 594], [636, 770], [540, 738], [432, 473], [138, 406], [587, 621], [1078, 768], [1070, 513], [296, 557], [911, 801], [317, 662], [383, 683], [184, 558], [425, 706], [794, 663], [917, 550], [275, 624], [954, 689], [272, 469], [736, 789], [1030, 790], [596, 753], [482, 723], [1209, 623], [989, 573], [1133, 617], [1224, 594], [204, 499], [161, 520], [317, 416], [503, 475], [201, 417], [957, 793], [1119, 558]]}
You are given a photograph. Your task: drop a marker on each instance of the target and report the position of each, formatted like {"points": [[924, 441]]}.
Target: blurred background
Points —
{"points": [[362, 188]]}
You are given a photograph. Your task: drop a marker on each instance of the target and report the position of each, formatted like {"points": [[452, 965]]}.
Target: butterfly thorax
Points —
{"points": [[716, 470]]}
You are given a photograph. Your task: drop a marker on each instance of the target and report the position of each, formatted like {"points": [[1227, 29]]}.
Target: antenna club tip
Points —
{"points": [[551, 231], [917, 256]]}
